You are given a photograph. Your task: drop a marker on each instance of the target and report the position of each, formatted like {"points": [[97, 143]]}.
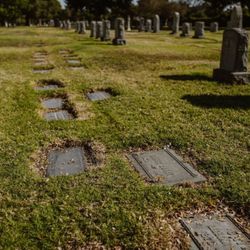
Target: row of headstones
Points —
{"points": [[101, 30]]}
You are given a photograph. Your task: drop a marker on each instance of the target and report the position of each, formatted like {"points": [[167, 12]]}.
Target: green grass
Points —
{"points": [[164, 95]]}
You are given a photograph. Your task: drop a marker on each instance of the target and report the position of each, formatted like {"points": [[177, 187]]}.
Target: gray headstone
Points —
{"points": [[176, 23], [214, 232], [165, 167], [53, 103], [82, 27], [98, 95], [69, 161], [185, 30], [214, 27], [199, 30], [236, 17], [77, 27], [119, 32], [58, 115], [129, 23], [93, 29], [156, 24], [99, 30], [106, 30], [141, 24], [148, 27], [234, 57]]}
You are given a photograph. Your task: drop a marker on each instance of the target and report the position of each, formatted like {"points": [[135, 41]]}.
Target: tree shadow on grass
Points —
{"points": [[193, 77], [219, 101]]}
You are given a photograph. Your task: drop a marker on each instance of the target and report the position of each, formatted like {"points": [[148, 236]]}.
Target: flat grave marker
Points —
{"points": [[58, 115], [53, 103], [220, 233], [165, 167], [69, 161], [47, 87], [73, 61], [42, 71], [98, 96]]}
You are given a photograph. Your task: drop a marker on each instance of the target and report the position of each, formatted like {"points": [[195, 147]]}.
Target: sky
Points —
{"points": [[62, 2]]}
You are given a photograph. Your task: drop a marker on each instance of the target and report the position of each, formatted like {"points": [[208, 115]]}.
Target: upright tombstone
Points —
{"points": [[148, 27], [141, 25], [236, 17], [99, 30], [156, 24], [60, 24], [176, 23], [199, 30], [64, 25], [185, 30], [77, 28], [119, 32], [129, 23], [82, 27], [214, 27], [106, 30], [93, 29], [234, 57], [68, 25]]}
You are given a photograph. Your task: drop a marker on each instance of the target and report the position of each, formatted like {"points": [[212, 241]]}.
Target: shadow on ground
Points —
{"points": [[193, 77], [219, 101]]}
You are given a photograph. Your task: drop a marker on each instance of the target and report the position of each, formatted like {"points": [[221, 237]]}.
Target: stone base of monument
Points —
{"points": [[184, 35], [221, 75], [118, 41]]}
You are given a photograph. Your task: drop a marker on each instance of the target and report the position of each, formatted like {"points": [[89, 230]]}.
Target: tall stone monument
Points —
{"points": [[129, 24], [176, 23], [77, 28], [119, 32], [156, 28], [93, 29], [214, 27], [106, 30], [141, 25], [236, 17], [199, 30], [234, 57], [148, 27], [185, 30]]}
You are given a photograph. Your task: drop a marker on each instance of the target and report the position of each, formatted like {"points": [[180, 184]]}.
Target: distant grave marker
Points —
{"points": [[165, 167], [98, 95], [236, 20], [214, 27], [106, 30], [69, 161], [185, 30], [99, 30], [141, 24], [58, 115], [53, 103], [156, 24], [199, 30], [129, 24], [176, 23], [119, 32], [216, 232], [93, 29], [148, 27]]}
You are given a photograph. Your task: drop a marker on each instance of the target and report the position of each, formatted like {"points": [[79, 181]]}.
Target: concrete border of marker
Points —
{"points": [[94, 152]]}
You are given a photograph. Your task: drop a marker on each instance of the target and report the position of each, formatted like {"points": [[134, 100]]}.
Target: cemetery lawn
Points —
{"points": [[164, 95]]}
